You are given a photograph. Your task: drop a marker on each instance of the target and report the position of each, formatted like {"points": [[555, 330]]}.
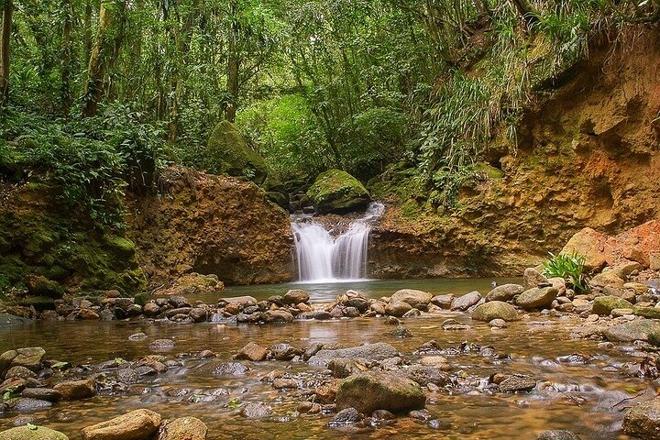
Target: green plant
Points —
{"points": [[567, 266]]}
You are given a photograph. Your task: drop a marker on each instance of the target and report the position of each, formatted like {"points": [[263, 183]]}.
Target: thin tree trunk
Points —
{"points": [[233, 64], [87, 31], [105, 50], [4, 50], [67, 52]]}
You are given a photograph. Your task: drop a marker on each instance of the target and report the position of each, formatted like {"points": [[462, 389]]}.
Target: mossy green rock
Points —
{"points": [[31, 432], [603, 305], [647, 312], [229, 152], [120, 246], [638, 330], [495, 310], [337, 191], [368, 392]]}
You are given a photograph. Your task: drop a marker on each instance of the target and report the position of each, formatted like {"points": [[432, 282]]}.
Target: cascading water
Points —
{"points": [[324, 258]]}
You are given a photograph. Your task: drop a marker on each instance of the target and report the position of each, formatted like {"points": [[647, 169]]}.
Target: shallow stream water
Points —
{"points": [[582, 397]]}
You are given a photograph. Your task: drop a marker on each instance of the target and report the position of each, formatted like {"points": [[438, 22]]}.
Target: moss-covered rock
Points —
{"points": [[368, 392], [603, 305], [122, 247], [32, 432], [230, 153], [495, 310], [337, 191]]}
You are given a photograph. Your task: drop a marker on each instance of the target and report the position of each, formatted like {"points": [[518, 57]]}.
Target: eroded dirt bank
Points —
{"points": [[587, 156]]}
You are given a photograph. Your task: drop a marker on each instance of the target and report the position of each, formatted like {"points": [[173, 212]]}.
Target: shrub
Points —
{"points": [[567, 266]]}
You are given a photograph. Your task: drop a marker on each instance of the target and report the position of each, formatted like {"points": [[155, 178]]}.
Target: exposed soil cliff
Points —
{"points": [[588, 156], [212, 225]]}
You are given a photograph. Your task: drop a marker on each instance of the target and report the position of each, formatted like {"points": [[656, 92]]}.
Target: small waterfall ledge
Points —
{"points": [[322, 258]]}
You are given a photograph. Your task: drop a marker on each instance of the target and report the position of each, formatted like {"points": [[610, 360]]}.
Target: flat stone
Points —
{"points": [[637, 330], [557, 435], [135, 425], [183, 428], [466, 301], [514, 384], [603, 305], [643, 420], [505, 292], [376, 352], [252, 352]]}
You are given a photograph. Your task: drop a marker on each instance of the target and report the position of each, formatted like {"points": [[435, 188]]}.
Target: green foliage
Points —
{"points": [[90, 161], [567, 266]]}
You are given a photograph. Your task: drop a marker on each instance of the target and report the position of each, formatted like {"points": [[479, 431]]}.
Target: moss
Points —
{"points": [[410, 209], [142, 298], [489, 171], [228, 152], [337, 191], [120, 246]]}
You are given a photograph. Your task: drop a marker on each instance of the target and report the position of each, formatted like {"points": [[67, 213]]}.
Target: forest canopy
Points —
{"points": [[102, 93]]}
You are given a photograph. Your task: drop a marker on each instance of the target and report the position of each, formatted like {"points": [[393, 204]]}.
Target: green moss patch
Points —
{"points": [[337, 191]]}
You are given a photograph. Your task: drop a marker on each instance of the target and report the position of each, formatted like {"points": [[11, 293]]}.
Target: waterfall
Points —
{"points": [[324, 258]]}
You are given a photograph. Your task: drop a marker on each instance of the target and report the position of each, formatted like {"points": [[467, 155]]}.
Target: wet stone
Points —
{"points": [[256, 411], [514, 384], [162, 345], [230, 369], [557, 435], [348, 416], [27, 405], [47, 394]]}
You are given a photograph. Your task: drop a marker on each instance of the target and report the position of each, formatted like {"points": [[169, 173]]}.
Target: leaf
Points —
{"points": [[31, 427]]}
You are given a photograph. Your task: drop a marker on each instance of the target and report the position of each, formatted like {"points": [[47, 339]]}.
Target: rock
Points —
{"points": [[643, 420], [39, 285], [151, 309], [31, 432], [345, 417], [256, 411], [277, 317], [19, 372], [412, 313], [557, 435], [28, 357], [230, 369], [495, 310], [625, 268], [637, 288], [397, 308], [637, 330], [537, 298], [295, 296], [589, 244], [497, 323], [283, 384], [533, 278], [647, 312], [309, 408], [367, 392], [375, 352], [252, 352], [401, 331], [228, 152], [162, 345], [48, 394], [199, 314], [241, 301], [342, 367], [466, 301], [76, 389], [193, 284], [417, 299], [443, 301], [505, 292], [607, 279], [27, 405], [621, 312], [337, 191], [603, 305], [140, 424], [426, 374], [284, 352], [514, 384], [327, 392], [183, 428]]}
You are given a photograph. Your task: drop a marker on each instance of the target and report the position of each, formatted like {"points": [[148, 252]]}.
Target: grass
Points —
{"points": [[567, 266]]}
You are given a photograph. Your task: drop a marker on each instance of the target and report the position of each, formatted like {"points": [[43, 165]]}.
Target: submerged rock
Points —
{"points": [[495, 310], [135, 425], [367, 392], [376, 352], [252, 352], [643, 420], [514, 384], [76, 389], [256, 410], [346, 417], [31, 432]]}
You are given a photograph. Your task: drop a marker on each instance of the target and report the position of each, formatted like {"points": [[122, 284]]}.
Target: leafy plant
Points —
{"points": [[567, 266]]}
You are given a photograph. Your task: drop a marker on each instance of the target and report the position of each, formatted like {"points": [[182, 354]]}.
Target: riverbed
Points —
{"points": [[585, 394]]}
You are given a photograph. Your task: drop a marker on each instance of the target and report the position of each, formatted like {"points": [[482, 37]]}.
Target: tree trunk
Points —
{"points": [[4, 50], [233, 64], [67, 53], [105, 50]]}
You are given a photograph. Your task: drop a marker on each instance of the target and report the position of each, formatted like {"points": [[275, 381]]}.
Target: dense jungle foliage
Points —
{"points": [[98, 95]]}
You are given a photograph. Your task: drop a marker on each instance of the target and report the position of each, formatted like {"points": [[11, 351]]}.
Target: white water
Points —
{"points": [[323, 258]]}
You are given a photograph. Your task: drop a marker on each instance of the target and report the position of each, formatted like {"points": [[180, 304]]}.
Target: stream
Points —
{"points": [[579, 393]]}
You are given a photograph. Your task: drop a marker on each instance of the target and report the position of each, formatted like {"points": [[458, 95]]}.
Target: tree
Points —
{"points": [[104, 52], [7, 11]]}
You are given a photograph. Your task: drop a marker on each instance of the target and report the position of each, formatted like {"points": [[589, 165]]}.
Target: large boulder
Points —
{"points": [[140, 424], [184, 428], [533, 277], [590, 244], [31, 432], [505, 292], [295, 296], [495, 310], [416, 298], [228, 152], [537, 298], [337, 191], [643, 420], [637, 330], [603, 305], [608, 278], [368, 392], [397, 308]]}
